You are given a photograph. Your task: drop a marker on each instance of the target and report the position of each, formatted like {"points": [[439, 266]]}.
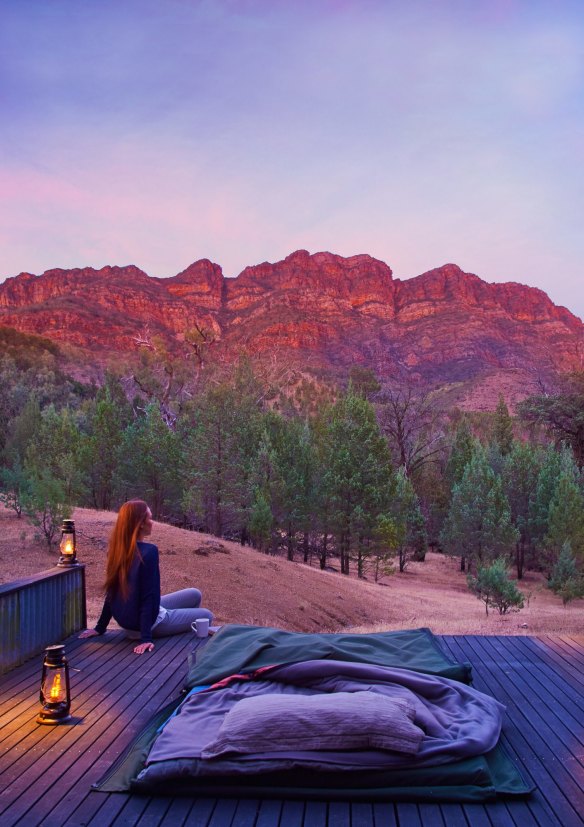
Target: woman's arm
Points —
{"points": [[102, 623], [149, 590]]}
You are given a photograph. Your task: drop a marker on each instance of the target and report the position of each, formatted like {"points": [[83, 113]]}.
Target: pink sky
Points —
{"points": [[158, 133]]}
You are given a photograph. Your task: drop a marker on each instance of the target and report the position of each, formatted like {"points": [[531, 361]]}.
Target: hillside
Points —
{"points": [[241, 585], [319, 313]]}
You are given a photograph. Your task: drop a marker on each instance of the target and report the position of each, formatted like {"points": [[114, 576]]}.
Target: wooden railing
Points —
{"points": [[39, 611]]}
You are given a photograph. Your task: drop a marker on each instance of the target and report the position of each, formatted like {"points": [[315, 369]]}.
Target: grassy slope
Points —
{"points": [[242, 586]]}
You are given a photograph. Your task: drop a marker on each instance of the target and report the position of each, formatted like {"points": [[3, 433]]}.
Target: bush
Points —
{"points": [[493, 586], [46, 506]]}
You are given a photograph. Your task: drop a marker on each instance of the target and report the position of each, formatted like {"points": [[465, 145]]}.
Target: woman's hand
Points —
{"points": [[89, 633], [143, 647]]}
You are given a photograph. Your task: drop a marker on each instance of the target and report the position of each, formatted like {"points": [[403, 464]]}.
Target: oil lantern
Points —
{"points": [[55, 694], [68, 546]]}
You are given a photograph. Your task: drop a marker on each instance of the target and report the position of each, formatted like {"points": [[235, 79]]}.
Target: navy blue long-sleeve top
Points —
{"points": [[140, 609]]}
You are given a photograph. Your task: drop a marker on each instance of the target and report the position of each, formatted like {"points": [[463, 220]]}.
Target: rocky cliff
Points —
{"points": [[322, 311]]}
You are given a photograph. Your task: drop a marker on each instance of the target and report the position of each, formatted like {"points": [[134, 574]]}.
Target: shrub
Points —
{"points": [[493, 586], [46, 506]]}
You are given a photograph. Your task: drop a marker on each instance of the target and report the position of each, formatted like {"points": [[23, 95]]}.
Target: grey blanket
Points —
{"points": [[457, 721]]}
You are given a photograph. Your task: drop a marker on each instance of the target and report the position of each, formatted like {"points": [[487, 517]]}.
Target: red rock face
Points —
{"points": [[322, 310]]}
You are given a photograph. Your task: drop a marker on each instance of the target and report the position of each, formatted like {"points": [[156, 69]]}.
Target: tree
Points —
{"points": [[168, 378], [14, 486], [434, 496], [268, 494], [45, 504], [521, 467], [566, 516], [323, 499], [503, 428], [410, 530], [561, 413], [493, 586], [22, 430], [149, 464], [566, 580], [260, 521], [292, 487], [462, 451], [357, 479], [221, 436], [412, 424], [383, 544], [101, 451], [552, 464], [478, 526], [29, 370], [55, 448]]}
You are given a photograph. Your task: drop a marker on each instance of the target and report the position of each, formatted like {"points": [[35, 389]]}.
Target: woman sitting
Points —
{"points": [[132, 585]]}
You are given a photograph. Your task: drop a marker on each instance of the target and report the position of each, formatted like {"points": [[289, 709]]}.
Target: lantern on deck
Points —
{"points": [[55, 694], [68, 546]]}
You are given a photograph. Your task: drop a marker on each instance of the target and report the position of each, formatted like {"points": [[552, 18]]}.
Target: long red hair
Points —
{"points": [[123, 546]]}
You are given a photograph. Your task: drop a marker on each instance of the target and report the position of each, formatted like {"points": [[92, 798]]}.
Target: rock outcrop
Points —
{"points": [[322, 311]]}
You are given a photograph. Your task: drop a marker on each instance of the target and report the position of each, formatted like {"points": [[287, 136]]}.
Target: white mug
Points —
{"points": [[201, 626]]}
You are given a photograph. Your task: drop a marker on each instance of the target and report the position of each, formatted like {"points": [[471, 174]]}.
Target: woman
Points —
{"points": [[132, 585]]}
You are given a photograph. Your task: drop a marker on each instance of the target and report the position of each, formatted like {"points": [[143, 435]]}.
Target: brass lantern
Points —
{"points": [[55, 694], [68, 546]]}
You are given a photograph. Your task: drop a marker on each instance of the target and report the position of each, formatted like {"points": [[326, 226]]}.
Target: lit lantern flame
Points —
{"points": [[56, 691], [68, 549]]}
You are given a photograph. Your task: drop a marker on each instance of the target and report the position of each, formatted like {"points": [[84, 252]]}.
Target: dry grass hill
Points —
{"points": [[241, 585]]}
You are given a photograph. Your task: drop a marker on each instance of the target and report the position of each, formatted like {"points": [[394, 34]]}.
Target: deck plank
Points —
{"points": [[522, 733], [76, 750], [199, 815], [384, 815], [269, 814], [46, 772]]}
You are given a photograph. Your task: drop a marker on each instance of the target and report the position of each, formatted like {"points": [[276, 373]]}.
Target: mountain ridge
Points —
{"points": [[321, 310]]}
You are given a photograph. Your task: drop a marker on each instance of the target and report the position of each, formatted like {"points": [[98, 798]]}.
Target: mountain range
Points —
{"points": [[323, 313]]}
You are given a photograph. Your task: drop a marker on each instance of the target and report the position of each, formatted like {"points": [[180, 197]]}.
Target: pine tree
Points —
{"points": [[539, 503], [409, 523], [503, 428], [220, 439], [261, 521], [521, 467], [566, 580], [292, 499], [566, 517], [478, 526], [556, 499], [149, 468], [357, 479], [463, 448], [100, 450]]}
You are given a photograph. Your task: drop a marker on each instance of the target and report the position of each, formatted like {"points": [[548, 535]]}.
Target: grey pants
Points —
{"points": [[182, 608]]}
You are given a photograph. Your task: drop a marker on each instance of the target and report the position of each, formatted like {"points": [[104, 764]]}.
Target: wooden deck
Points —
{"points": [[46, 772]]}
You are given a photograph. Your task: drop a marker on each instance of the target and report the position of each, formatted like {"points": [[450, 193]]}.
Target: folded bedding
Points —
{"points": [[335, 715]]}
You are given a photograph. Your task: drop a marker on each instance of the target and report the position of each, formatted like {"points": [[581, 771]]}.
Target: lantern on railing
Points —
{"points": [[55, 694], [68, 546]]}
